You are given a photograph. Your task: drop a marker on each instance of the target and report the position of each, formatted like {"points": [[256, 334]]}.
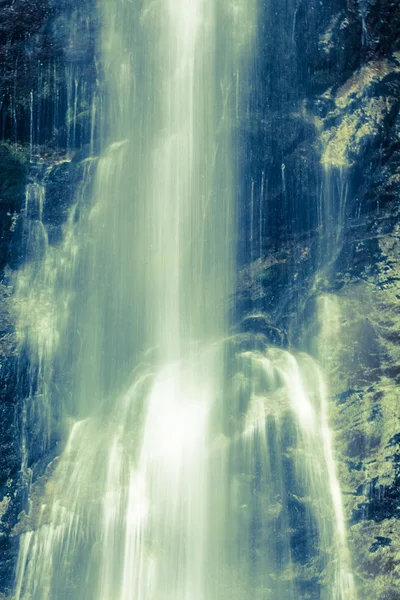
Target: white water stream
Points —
{"points": [[187, 477]]}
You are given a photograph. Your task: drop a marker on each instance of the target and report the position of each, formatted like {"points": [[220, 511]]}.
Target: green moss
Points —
{"points": [[345, 140]]}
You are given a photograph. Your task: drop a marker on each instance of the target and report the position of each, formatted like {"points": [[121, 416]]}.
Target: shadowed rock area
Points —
{"points": [[336, 141], [47, 82]]}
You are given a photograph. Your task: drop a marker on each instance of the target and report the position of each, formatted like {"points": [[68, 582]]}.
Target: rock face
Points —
{"points": [[319, 243], [325, 272], [48, 85], [46, 50], [364, 373]]}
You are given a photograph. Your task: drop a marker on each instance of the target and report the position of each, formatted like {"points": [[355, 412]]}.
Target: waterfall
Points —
{"points": [[192, 459]]}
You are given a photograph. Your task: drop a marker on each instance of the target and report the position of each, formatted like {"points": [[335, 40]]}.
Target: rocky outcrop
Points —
{"points": [[47, 53], [364, 371], [326, 270], [48, 81]]}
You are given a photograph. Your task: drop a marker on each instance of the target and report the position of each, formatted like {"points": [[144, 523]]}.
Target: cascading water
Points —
{"points": [[189, 476]]}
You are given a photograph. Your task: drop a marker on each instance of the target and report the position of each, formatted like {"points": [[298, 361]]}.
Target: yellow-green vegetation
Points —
{"points": [[345, 140], [357, 113], [358, 85]]}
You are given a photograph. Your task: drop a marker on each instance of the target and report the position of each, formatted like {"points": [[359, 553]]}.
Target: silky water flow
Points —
{"points": [[194, 462]]}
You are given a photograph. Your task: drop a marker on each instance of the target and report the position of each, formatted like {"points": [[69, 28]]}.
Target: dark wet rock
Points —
{"points": [[381, 26], [329, 132], [12, 192], [349, 315], [10, 454], [47, 83], [62, 182], [47, 49], [260, 324]]}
